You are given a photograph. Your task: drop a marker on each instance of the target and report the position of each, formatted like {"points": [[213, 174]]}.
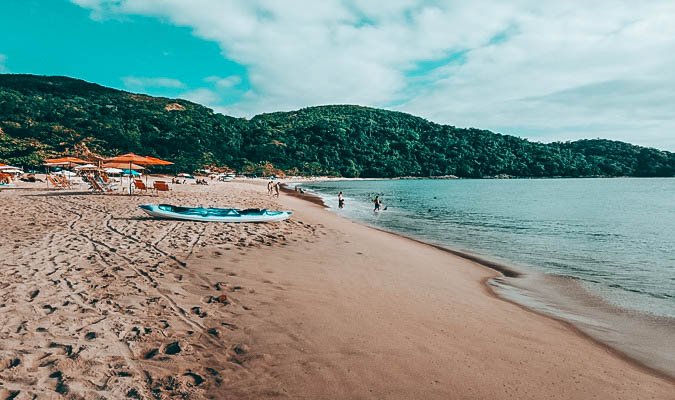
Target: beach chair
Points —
{"points": [[108, 186], [5, 178], [65, 183], [93, 185], [161, 186], [55, 182], [140, 185]]}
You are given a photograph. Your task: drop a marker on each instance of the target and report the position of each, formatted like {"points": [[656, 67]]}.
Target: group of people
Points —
{"points": [[376, 201], [273, 188]]}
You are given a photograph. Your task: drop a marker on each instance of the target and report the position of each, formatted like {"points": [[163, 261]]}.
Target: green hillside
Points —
{"points": [[48, 116]]}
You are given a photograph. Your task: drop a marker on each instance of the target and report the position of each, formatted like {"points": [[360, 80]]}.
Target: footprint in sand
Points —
{"points": [[198, 379], [67, 349], [33, 294], [9, 394], [198, 311], [61, 386], [150, 354], [172, 348], [49, 309], [229, 326]]}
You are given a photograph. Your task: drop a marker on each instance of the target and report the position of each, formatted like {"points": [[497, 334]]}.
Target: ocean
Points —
{"points": [[599, 253]]}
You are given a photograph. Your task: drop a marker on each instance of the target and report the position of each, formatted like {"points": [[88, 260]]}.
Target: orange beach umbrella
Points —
{"points": [[131, 159], [121, 165], [69, 161], [64, 161], [158, 161]]}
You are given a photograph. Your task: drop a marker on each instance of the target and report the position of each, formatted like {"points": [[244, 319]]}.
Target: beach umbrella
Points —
{"points": [[87, 167], [130, 172], [155, 161], [130, 158], [66, 173], [64, 161], [121, 166], [12, 170], [113, 171]]}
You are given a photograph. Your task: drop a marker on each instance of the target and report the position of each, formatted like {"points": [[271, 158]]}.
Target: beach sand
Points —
{"points": [[97, 300]]}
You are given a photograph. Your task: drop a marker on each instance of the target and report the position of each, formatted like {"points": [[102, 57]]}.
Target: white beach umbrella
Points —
{"points": [[113, 171], [85, 166], [13, 171]]}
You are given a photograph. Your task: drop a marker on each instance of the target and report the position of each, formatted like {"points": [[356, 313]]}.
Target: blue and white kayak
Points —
{"points": [[214, 214], [7, 186]]}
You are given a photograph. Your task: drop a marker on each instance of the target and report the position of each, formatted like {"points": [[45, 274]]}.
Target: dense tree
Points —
{"points": [[45, 116]]}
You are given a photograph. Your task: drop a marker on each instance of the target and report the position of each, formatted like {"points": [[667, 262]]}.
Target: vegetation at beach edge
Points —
{"points": [[49, 116]]}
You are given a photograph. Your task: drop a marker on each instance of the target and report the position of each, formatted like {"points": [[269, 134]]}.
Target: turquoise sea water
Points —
{"points": [[614, 236]]}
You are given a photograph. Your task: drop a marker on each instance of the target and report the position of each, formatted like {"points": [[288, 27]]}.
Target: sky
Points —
{"points": [[542, 70]]}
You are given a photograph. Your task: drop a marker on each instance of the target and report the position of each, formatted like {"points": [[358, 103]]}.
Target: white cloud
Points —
{"points": [[224, 83], [543, 69], [202, 96], [143, 83], [3, 59]]}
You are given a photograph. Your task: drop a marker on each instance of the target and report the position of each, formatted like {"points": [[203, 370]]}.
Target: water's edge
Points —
{"points": [[633, 336]]}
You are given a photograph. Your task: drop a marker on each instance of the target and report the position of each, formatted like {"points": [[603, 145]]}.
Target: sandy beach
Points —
{"points": [[99, 301]]}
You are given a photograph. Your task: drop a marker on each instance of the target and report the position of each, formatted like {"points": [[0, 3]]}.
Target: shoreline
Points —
{"points": [[499, 286]]}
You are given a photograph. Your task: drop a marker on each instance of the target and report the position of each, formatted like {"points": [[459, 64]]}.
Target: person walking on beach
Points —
{"points": [[269, 187], [377, 203], [276, 189], [341, 200]]}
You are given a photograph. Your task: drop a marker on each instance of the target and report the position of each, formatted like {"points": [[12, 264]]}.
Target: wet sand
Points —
{"points": [[96, 300]]}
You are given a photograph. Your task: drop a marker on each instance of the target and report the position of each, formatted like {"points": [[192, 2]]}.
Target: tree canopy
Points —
{"points": [[49, 116]]}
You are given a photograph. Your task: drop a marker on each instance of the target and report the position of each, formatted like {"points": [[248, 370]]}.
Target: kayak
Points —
{"points": [[7, 185], [214, 214]]}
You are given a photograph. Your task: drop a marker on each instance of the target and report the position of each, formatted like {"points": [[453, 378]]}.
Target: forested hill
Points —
{"points": [[48, 116]]}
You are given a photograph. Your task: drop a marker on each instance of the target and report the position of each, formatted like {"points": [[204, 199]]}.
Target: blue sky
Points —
{"points": [[542, 70], [137, 53]]}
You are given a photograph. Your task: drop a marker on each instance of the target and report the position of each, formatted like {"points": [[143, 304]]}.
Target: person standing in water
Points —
{"points": [[341, 200], [377, 203]]}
